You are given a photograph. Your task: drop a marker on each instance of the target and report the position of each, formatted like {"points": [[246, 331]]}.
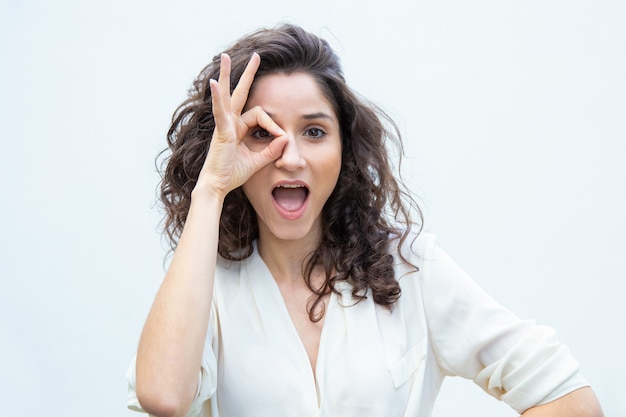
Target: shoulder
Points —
{"points": [[227, 276], [225, 267], [232, 275]]}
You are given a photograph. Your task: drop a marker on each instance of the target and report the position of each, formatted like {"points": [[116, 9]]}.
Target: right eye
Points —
{"points": [[261, 134]]}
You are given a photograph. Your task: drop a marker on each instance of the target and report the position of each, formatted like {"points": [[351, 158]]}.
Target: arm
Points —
{"points": [[514, 360], [171, 344], [579, 403], [172, 341]]}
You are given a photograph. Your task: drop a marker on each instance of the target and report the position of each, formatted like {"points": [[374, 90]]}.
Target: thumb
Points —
{"points": [[271, 152]]}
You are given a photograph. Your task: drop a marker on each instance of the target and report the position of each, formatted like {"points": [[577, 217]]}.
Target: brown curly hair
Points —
{"points": [[367, 211]]}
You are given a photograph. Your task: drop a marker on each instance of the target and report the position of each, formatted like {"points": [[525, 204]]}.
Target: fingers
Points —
{"points": [[223, 102], [274, 149], [219, 111], [226, 106], [240, 95], [237, 101], [256, 116], [264, 153], [269, 153], [224, 82]]}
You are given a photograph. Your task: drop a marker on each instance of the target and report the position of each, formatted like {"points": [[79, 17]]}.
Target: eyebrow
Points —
{"points": [[319, 115], [310, 116]]}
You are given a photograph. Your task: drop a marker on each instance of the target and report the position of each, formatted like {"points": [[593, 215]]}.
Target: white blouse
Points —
{"points": [[371, 362]]}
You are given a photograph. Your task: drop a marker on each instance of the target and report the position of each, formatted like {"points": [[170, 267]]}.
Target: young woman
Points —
{"points": [[299, 285]]}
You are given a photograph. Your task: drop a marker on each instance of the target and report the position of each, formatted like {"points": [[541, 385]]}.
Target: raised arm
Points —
{"points": [[172, 341]]}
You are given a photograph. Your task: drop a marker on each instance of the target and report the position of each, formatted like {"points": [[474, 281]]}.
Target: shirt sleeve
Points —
{"points": [[207, 377], [514, 360]]}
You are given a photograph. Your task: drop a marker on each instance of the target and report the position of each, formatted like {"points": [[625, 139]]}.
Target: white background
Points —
{"points": [[513, 115]]}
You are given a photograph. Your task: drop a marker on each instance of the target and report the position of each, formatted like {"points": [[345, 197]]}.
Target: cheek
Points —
{"points": [[334, 171], [333, 166], [252, 188]]}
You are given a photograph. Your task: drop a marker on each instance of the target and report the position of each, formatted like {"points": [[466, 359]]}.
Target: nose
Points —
{"points": [[291, 159]]}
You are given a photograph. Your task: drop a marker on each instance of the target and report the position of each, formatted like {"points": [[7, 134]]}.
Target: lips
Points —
{"points": [[290, 199]]}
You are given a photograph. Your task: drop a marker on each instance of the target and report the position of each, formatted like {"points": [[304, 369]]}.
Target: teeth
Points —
{"points": [[291, 186]]}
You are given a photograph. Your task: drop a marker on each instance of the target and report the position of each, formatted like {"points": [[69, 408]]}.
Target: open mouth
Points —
{"points": [[290, 197]]}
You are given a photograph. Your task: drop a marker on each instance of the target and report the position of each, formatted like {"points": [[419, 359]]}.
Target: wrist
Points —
{"points": [[208, 198], [205, 191]]}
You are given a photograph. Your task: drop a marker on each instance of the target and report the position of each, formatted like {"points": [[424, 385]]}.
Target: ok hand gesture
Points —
{"points": [[229, 162]]}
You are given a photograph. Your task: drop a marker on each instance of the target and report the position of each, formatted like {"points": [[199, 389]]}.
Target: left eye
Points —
{"points": [[315, 132]]}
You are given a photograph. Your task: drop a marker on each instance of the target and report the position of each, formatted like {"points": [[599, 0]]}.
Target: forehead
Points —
{"points": [[297, 90]]}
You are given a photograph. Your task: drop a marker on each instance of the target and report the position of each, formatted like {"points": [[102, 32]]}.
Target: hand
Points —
{"points": [[229, 162]]}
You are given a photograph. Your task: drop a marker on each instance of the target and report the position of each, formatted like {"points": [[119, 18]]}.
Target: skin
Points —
{"points": [[579, 403], [172, 341], [311, 157], [171, 344]]}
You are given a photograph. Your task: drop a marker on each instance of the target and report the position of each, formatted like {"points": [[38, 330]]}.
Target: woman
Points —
{"points": [[297, 286]]}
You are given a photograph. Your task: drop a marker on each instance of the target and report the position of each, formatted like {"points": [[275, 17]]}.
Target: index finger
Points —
{"points": [[240, 94]]}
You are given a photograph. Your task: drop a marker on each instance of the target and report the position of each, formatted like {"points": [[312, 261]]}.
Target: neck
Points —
{"points": [[285, 258]]}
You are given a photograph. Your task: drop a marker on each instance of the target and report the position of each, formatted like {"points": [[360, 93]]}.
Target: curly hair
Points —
{"points": [[369, 207]]}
